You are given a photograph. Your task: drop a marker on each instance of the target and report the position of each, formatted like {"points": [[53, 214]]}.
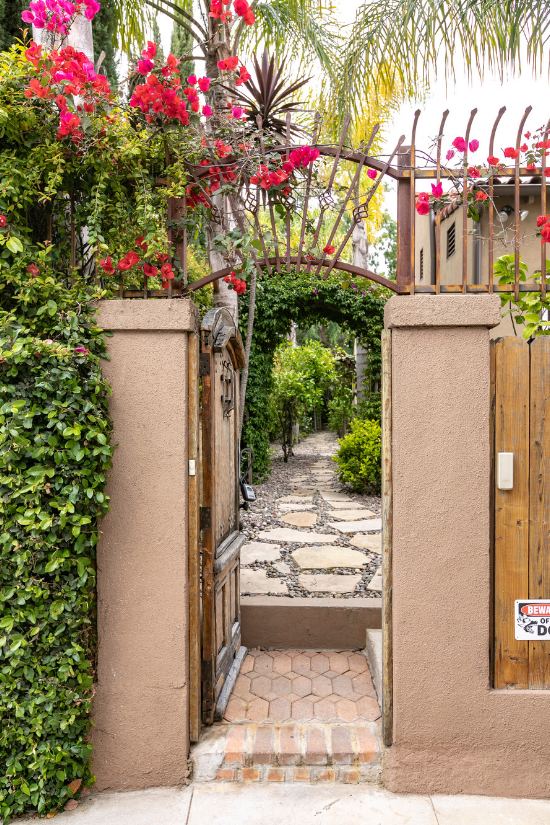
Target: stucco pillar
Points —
{"points": [[452, 732], [141, 706]]}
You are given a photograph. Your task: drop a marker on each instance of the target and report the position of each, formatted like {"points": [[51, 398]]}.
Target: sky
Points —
{"points": [[460, 96]]}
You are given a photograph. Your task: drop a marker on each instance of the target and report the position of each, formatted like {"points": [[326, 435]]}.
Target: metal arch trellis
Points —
{"points": [[401, 165]]}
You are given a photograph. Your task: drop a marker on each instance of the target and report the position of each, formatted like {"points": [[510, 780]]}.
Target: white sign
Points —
{"points": [[532, 619]]}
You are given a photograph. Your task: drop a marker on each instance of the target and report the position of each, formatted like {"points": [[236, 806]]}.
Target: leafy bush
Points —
{"points": [[359, 457], [54, 457]]}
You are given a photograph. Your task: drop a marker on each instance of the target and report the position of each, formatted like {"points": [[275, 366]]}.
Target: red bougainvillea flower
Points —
{"points": [[450, 154], [437, 189], [81, 350], [473, 145], [372, 174], [150, 270], [243, 10], [2, 220], [244, 76], [151, 50], [527, 135], [460, 144], [204, 83], [422, 205], [542, 219], [206, 110], [167, 272], [545, 234], [145, 66], [237, 112], [481, 196], [474, 172], [531, 167], [229, 64], [329, 249], [107, 265], [493, 161], [523, 147], [192, 80], [424, 196], [510, 152], [32, 269]]}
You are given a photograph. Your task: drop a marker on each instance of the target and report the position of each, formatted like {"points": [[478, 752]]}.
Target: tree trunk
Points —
{"points": [[80, 37]]}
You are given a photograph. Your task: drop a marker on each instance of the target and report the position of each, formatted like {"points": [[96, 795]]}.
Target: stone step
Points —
{"points": [[288, 753]]}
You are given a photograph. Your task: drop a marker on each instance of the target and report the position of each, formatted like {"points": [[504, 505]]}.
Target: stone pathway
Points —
{"points": [[307, 535]]}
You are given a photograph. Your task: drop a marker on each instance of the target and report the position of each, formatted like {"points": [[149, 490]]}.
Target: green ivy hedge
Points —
{"points": [[54, 458]]}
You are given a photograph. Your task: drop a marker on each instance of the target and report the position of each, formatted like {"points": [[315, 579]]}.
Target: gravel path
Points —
{"points": [[268, 566]]}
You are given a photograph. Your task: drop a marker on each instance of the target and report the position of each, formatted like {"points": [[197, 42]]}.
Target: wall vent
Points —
{"points": [[421, 264], [451, 240]]}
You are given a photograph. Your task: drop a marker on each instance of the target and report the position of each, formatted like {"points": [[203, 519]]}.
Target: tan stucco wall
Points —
{"points": [[452, 732], [140, 711]]}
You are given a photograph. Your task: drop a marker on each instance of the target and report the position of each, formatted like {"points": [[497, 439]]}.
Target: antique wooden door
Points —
{"points": [[221, 357]]}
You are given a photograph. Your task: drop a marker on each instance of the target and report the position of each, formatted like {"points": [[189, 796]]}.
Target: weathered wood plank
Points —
{"points": [[387, 519], [539, 533], [511, 509], [194, 552]]}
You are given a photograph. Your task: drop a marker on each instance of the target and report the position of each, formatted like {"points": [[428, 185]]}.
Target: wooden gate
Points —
{"points": [[221, 356], [521, 420]]}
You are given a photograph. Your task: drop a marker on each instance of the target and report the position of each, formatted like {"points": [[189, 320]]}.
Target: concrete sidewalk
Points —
{"points": [[238, 804]]}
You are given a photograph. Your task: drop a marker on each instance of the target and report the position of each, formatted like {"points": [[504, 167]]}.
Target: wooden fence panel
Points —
{"points": [[539, 539], [511, 552]]}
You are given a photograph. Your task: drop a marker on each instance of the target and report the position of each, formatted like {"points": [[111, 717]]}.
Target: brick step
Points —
{"points": [[288, 753]]}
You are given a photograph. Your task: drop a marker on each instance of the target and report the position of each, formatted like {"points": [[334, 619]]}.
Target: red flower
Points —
{"points": [[460, 144], [542, 219], [481, 196], [422, 207], [473, 145], [524, 147], [150, 270], [493, 161], [204, 83], [123, 264], [133, 257], [474, 172], [167, 272], [33, 270], [527, 135], [192, 79], [423, 196], [372, 173], [2, 220], [145, 66], [531, 167], [329, 249], [437, 189], [107, 265], [150, 51], [510, 152], [141, 244], [244, 76], [545, 234], [162, 258]]}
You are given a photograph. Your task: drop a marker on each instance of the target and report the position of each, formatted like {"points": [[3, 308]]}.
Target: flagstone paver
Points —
{"points": [[320, 558], [371, 542], [300, 519], [296, 536], [257, 581], [259, 551], [287, 506], [351, 515], [335, 496], [297, 498], [346, 505], [357, 526], [376, 581], [328, 582]]}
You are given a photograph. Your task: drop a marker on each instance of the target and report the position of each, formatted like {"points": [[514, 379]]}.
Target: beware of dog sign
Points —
{"points": [[532, 619]]}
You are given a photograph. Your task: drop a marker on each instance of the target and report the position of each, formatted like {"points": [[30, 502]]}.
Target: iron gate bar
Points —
{"points": [[491, 197]]}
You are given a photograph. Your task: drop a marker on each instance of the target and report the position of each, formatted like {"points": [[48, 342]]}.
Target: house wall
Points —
{"points": [[141, 704], [452, 732]]}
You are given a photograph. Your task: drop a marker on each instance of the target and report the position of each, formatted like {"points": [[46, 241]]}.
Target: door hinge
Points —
{"points": [[206, 521], [204, 363]]}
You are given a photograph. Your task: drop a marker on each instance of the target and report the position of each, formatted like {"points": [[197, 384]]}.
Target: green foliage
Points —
{"points": [[281, 299], [301, 376], [54, 457], [359, 457], [342, 408], [383, 258], [181, 43], [528, 309], [11, 24]]}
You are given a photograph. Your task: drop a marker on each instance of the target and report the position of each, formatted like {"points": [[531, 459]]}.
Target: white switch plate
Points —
{"points": [[505, 471], [191, 466]]}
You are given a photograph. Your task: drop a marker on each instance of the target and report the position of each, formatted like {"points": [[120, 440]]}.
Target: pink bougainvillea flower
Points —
{"points": [[33, 270], [192, 79], [481, 196], [2, 220], [422, 207], [145, 66], [92, 8], [151, 50], [473, 145], [372, 173], [493, 161], [206, 110], [204, 83], [510, 152], [107, 265], [423, 196], [450, 154], [81, 350], [541, 220], [237, 112], [437, 189], [329, 249], [474, 172], [460, 144]]}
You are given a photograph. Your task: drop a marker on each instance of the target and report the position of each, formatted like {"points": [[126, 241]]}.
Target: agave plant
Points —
{"points": [[269, 96]]}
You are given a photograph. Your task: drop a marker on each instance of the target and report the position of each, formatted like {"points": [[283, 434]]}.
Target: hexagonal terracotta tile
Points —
{"points": [[263, 664], [338, 662], [302, 709], [369, 708], [242, 685], [301, 686], [342, 686], [247, 665], [346, 710], [279, 709], [282, 664], [301, 664], [319, 663], [321, 686], [261, 686], [357, 662], [236, 709], [257, 710], [325, 710], [363, 684], [281, 686]]}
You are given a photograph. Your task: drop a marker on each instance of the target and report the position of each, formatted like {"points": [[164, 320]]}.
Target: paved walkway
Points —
{"points": [[307, 535], [256, 804]]}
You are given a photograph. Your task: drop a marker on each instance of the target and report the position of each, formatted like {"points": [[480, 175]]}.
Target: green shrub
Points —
{"points": [[359, 457]]}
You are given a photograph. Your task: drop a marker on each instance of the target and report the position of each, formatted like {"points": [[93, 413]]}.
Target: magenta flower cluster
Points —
{"points": [[57, 15]]}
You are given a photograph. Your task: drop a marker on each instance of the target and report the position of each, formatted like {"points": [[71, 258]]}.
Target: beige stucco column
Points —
{"points": [[141, 706], [452, 732]]}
